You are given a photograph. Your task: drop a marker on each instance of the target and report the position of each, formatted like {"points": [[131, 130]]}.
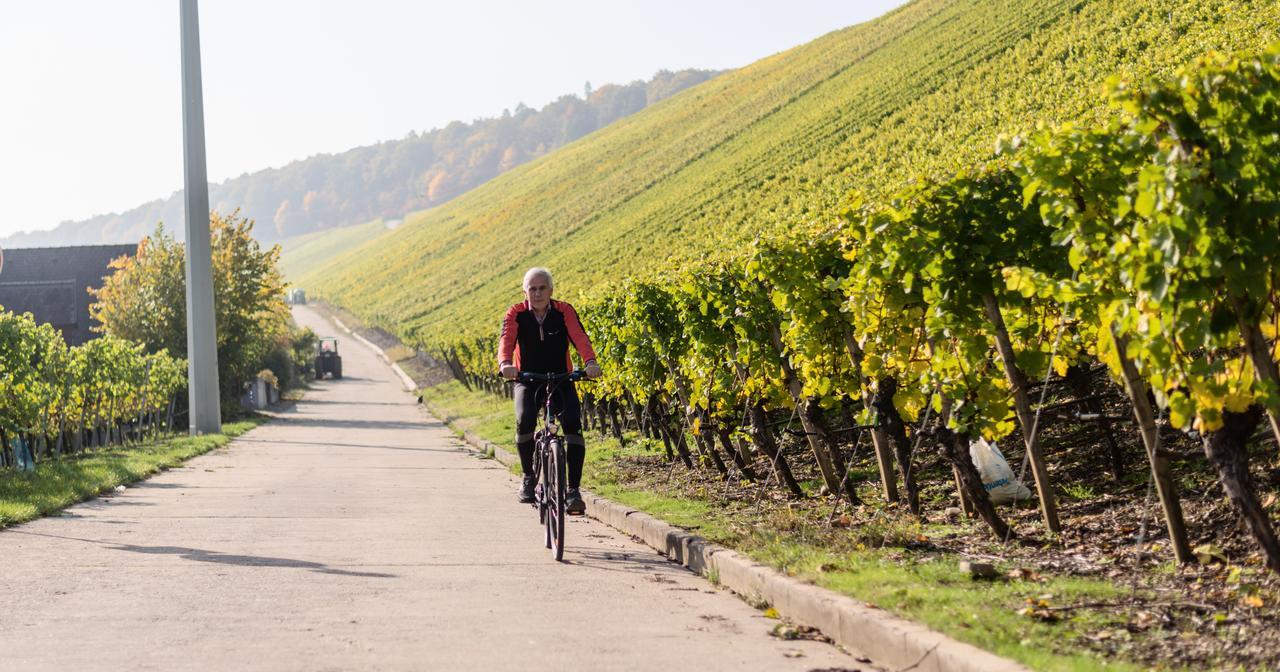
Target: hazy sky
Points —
{"points": [[90, 95]]}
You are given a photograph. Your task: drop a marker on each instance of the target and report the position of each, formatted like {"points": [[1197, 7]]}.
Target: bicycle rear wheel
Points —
{"points": [[555, 488], [539, 496]]}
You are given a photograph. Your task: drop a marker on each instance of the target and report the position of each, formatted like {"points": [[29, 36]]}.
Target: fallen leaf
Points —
{"points": [[1209, 553], [1143, 620], [784, 631]]}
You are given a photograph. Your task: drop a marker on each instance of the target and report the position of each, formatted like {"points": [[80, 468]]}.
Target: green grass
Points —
{"points": [[468, 411], [924, 587], [779, 143], [300, 254], [1079, 491], [58, 484], [934, 593]]}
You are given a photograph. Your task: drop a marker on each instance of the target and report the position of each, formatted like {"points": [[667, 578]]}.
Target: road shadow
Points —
{"points": [[349, 379], [96, 520], [329, 423], [627, 562], [201, 555], [358, 403], [110, 502], [344, 444], [217, 557]]}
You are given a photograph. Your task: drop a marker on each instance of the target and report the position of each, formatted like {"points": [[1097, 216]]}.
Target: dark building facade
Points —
{"points": [[52, 283]]}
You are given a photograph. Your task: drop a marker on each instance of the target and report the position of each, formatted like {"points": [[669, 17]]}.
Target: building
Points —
{"points": [[52, 283]]}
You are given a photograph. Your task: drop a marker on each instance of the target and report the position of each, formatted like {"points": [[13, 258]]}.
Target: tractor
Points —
{"points": [[327, 359]]}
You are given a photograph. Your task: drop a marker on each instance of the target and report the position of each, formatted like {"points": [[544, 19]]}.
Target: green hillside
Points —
{"points": [[313, 250], [778, 143]]}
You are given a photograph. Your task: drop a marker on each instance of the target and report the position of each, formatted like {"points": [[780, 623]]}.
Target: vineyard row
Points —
{"points": [[57, 400]]}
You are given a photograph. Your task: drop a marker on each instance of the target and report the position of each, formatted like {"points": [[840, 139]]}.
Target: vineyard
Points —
{"points": [[1149, 245], [60, 400]]}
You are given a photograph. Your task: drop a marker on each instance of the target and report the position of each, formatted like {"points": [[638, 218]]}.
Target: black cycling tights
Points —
{"points": [[565, 401]]}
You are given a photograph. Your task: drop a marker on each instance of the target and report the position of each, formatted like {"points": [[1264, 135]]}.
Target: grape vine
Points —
{"points": [[60, 400]]}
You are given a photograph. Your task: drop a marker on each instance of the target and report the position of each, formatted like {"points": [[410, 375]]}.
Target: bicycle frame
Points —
{"points": [[549, 460]]}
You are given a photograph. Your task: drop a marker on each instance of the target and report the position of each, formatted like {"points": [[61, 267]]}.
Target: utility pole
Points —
{"points": [[202, 345]]}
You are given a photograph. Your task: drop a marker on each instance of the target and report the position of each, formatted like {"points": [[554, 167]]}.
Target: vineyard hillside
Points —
{"points": [[778, 143], [309, 250]]}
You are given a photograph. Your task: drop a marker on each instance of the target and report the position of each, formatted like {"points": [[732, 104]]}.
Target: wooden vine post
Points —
{"points": [[657, 424], [707, 448], [737, 452], [1264, 366], [764, 441], [884, 456], [1227, 449], [1166, 489], [819, 437], [973, 497], [1026, 417], [674, 438], [891, 425], [757, 421], [1078, 378]]}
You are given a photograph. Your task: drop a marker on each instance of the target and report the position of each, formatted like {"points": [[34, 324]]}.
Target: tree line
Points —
{"points": [[391, 178]]}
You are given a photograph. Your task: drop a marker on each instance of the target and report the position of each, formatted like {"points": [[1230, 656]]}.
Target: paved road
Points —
{"points": [[355, 533]]}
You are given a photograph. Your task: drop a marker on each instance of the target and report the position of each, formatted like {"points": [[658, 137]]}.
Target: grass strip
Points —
{"points": [[921, 586], [57, 484]]}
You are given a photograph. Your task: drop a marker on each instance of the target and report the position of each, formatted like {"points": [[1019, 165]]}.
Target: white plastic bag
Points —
{"points": [[997, 478]]}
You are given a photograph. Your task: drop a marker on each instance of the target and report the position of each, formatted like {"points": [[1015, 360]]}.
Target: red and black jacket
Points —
{"points": [[543, 347]]}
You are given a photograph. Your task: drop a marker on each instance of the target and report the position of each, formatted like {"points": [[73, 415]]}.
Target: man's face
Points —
{"points": [[538, 292]]}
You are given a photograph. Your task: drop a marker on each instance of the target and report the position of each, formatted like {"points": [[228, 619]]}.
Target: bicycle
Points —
{"points": [[549, 461]]}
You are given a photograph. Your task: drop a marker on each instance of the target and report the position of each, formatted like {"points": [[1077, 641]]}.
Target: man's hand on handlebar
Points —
{"points": [[592, 369], [509, 371]]}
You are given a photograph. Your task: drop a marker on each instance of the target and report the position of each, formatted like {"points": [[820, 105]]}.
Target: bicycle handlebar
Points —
{"points": [[530, 377]]}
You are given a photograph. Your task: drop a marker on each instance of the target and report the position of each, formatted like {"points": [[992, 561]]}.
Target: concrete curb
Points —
{"points": [[889, 640]]}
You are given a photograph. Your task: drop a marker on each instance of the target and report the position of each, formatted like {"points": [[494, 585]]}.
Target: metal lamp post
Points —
{"points": [[202, 345]]}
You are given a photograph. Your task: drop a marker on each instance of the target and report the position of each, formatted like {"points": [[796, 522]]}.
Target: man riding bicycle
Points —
{"points": [[536, 334]]}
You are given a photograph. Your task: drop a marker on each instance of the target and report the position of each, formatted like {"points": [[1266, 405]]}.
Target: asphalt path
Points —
{"points": [[355, 533]]}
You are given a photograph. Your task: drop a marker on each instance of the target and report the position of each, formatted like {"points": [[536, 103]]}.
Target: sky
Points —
{"points": [[90, 91]]}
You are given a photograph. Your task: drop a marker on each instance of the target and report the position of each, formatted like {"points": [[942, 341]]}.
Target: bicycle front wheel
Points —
{"points": [[546, 492], [556, 493]]}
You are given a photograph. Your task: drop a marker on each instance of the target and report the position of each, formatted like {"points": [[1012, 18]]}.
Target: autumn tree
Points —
{"points": [[144, 300]]}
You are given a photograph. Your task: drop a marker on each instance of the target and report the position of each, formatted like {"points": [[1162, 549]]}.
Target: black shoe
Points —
{"points": [[526, 489], [573, 504]]}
